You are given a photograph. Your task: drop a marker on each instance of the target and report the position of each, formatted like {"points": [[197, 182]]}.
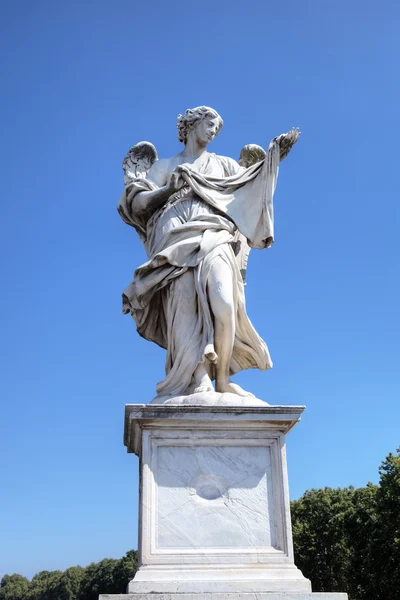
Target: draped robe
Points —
{"points": [[168, 297]]}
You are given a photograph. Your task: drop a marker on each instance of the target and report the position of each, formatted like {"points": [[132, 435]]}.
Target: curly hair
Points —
{"points": [[193, 116]]}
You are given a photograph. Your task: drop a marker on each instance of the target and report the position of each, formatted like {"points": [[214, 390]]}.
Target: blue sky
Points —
{"points": [[83, 81]]}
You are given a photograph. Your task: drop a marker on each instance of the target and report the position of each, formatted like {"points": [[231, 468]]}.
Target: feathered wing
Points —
{"points": [[138, 161], [249, 155], [136, 166]]}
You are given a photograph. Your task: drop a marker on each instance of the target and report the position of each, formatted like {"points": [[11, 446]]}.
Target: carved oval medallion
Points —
{"points": [[210, 487]]}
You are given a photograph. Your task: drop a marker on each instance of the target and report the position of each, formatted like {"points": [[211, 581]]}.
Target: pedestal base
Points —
{"points": [[230, 596], [214, 503], [211, 579]]}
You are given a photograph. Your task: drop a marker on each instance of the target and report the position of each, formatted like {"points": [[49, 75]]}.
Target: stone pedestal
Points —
{"points": [[214, 503]]}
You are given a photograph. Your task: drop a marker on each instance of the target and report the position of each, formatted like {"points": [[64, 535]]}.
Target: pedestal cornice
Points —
{"points": [[139, 416]]}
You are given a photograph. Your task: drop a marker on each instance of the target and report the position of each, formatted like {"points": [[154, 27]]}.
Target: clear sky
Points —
{"points": [[83, 81]]}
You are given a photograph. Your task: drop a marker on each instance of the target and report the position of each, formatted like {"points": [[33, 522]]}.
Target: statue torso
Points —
{"points": [[184, 206]]}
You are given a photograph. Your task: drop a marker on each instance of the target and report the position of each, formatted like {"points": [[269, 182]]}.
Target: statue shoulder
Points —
{"points": [[159, 171]]}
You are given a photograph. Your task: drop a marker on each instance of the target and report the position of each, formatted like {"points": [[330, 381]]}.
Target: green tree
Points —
{"points": [[109, 576], [320, 537], [44, 585], [125, 571], [349, 540], [14, 587], [362, 527], [98, 579], [69, 584], [387, 544]]}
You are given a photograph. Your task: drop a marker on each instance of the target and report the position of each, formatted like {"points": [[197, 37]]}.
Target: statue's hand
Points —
{"points": [[287, 141], [175, 183]]}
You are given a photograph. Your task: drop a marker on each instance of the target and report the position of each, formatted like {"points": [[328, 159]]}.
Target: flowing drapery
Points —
{"points": [[168, 297]]}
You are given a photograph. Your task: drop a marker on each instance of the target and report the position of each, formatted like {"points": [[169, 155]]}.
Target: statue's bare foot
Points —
{"points": [[232, 388], [203, 388], [198, 389], [203, 384], [201, 381]]}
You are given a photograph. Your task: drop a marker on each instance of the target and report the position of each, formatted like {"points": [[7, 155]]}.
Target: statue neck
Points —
{"points": [[193, 148]]}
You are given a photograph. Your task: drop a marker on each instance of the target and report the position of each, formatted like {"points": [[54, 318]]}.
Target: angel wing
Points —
{"points": [[138, 161], [249, 155]]}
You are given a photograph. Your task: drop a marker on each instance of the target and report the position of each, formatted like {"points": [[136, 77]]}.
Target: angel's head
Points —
{"points": [[202, 121]]}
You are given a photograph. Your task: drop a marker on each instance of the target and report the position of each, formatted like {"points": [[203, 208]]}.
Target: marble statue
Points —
{"points": [[198, 214]]}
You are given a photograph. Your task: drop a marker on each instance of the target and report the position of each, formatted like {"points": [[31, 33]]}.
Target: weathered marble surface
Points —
{"points": [[197, 215], [214, 504], [209, 399], [214, 501], [229, 596], [215, 496], [281, 418]]}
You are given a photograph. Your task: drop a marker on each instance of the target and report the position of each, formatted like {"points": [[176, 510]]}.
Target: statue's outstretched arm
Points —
{"points": [[252, 153]]}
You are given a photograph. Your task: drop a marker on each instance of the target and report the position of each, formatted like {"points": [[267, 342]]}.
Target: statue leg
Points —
{"points": [[201, 380], [183, 307], [223, 306]]}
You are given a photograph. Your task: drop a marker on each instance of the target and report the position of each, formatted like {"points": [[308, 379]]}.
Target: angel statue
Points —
{"points": [[198, 214]]}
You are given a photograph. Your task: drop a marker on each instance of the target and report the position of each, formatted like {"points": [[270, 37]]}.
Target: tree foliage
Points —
{"points": [[13, 587], [387, 540], [345, 540], [321, 537], [348, 540], [109, 576]]}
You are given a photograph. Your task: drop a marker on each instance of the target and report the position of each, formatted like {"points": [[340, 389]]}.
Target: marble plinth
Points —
{"points": [[227, 596], [209, 399], [214, 503]]}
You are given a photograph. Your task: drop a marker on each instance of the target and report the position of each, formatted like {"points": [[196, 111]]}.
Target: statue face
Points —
{"points": [[206, 130]]}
